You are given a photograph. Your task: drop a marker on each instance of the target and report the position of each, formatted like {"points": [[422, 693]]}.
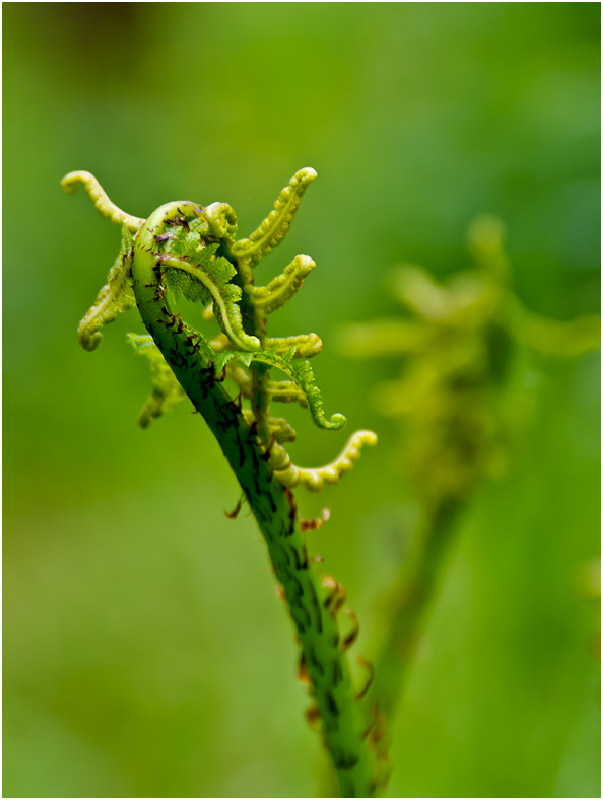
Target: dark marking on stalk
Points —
{"points": [[331, 704], [316, 604], [292, 510], [207, 383], [262, 515], [301, 626], [176, 358], [300, 564], [346, 762], [298, 585], [241, 447], [272, 503], [314, 661], [337, 672], [163, 237], [190, 344]]}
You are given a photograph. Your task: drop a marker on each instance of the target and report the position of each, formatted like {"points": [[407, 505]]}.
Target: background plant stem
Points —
{"points": [[409, 603]]}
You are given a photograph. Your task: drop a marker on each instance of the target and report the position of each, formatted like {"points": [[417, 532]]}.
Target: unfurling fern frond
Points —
{"points": [[315, 478], [184, 250], [113, 298], [272, 230], [195, 257]]}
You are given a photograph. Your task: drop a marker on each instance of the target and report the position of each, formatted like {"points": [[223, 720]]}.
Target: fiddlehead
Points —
{"points": [[186, 249]]}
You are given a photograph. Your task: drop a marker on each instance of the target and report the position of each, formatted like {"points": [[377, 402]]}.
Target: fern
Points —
{"points": [[186, 250]]}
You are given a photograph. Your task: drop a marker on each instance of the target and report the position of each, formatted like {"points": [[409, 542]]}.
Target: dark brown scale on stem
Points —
{"points": [[302, 673], [163, 237], [353, 634], [312, 716], [300, 563], [178, 221], [315, 524], [235, 512], [337, 597], [368, 665], [292, 510]]}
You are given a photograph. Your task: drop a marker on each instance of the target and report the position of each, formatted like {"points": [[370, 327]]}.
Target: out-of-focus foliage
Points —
{"points": [[457, 349], [145, 653]]}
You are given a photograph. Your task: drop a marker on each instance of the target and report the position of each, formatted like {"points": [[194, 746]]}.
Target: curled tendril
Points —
{"points": [[100, 199], [222, 220], [315, 478], [284, 286], [272, 230]]}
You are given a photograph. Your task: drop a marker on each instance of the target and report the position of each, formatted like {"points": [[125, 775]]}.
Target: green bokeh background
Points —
{"points": [[145, 653]]}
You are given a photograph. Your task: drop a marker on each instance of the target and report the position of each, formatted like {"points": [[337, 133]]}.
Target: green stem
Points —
{"points": [[275, 512], [408, 605]]}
